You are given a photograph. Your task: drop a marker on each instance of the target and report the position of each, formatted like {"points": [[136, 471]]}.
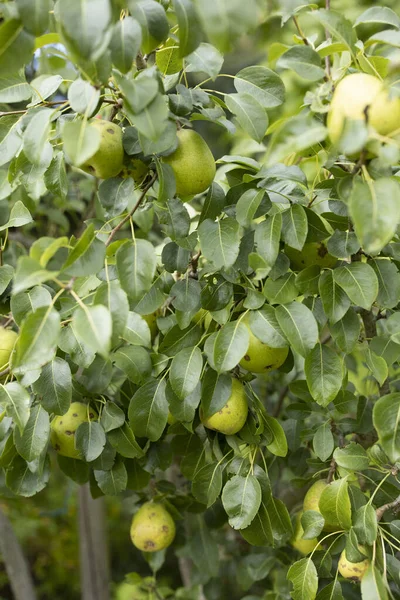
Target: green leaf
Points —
{"points": [[373, 586], [81, 141], [346, 331], [35, 15], [83, 97], [226, 348], [343, 244], [262, 84], [123, 440], [55, 177], [78, 351], [216, 390], [87, 256], [16, 47], [37, 341], [114, 481], [295, 226], [136, 332], [332, 591], [374, 207], [93, 327], [241, 498], [36, 145], [264, 325], [136, 267], [304, 61], [366, 525], [352, 457], [186, 295], [267, 238], [205, 59], [153, 21], [339, 27], [14, 88], [359, 282], [323, 442], [334, 504], [19, 216], [250, 114], [185, 371], [138, 93], [135, 362], [10, 138], [334, 299], [168, 59], [43, 87], [312, 523], [110, 295], [278, 446], [377, 366], [85, 25], [184, 410], [389, 282], [386, 418], [26, 302], [125, 43], [112, 417], [282, 290], [54, 387], [207, 484], [148, 410], [378, 14], [220, 241], [189, 28], [299, 326], [16, 401], [304, 578], [31, 443], [90, 440], [324, 374], [23, 481]]}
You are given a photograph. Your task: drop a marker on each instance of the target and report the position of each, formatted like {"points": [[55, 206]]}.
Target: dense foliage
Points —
{"points": [[217, 349]]}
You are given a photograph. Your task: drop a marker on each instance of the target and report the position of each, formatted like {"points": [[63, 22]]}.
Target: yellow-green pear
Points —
{"points": [[312, 253], [192, 163], [365, 98], [63, 428], [261, 358], [311, 499], [231, 418], [353, 571], [108, 160], [303, 546], [152, 528], [8, 337]]}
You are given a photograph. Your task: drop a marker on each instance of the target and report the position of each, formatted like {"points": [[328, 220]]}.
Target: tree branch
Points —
{"points": [[134, 209], [394, 506]]}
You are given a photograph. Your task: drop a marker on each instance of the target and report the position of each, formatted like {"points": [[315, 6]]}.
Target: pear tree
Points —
{"points": [[200, 287]]}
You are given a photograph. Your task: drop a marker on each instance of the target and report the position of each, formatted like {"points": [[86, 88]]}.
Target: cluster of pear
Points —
{"points": [[348, 569], [192, 161]]}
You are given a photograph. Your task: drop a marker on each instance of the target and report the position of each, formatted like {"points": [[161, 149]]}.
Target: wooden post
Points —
{"points": [[15, 562], [95, 580]]}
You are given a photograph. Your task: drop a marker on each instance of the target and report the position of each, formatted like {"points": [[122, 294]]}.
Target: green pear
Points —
{"points": [[108, 160], [63, 428], [261, 358], [311, 499], [353, 571], [312, 253], [171, 420], [363, 97], [152, 528], [192, 163], [231, 418], [303, 546], [8, 337]]}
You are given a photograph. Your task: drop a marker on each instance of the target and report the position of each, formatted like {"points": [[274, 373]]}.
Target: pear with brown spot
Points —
{"points": [[108, 159], [152, 528], [63, 428], [353, 571], [261, 358], [231, 418]]}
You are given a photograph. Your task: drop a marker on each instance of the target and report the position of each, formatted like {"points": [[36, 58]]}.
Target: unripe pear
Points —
{"points": [[261, 358], [108, 159], [365, 98], [312, 253], [63, 428], [231, 418], [311, 499], [192, 163], [171, 420], [152, 528], [303, 546], [8, 337], [353, 571]]}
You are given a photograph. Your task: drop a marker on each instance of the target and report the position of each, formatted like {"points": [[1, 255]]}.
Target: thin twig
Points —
{"points": [[281, 399], [134, 209], [332, 470], [395, 506], [327, 58], [301, 34]]}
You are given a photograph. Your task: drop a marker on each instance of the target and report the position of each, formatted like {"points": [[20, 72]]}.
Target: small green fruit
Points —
{"points": [[261, 358], [231, 418], [303, 546], [363, 97], [8, 337], [313, 253], [192, 163], [152, 528], [353, 571], [108, 160], [171, 420], [63, 429]]}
